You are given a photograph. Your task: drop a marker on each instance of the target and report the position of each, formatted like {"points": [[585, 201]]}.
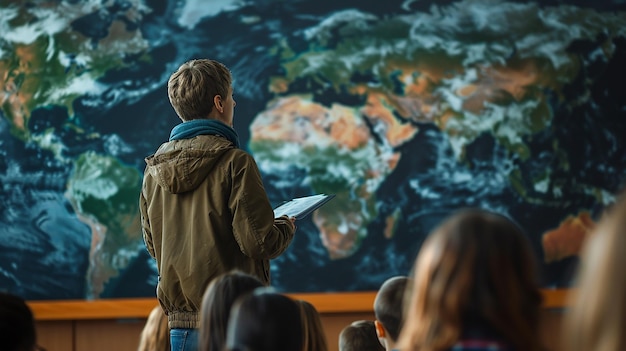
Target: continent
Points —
{"points": [[44, 63], [19, 85], [104, 194], [505, 78], [568, 238], [453, 80], [336, 149], [53, 54]]}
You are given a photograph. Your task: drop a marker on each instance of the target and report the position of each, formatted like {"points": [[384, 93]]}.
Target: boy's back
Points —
{"points": [[204, 210]]}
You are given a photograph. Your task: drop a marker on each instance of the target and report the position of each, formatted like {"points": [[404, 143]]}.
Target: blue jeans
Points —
{"points": [[184, 339]]}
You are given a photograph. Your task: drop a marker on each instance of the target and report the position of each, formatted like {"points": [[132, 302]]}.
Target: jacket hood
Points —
{"points": [[182, 165]]}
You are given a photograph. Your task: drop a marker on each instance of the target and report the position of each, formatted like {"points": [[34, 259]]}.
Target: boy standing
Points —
{"points": [[204, 210]]}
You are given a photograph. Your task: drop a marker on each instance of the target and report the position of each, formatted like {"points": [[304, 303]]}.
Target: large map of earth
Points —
{"points": [[406, 110]]}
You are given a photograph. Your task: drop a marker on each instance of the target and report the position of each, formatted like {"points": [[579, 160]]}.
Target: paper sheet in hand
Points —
{"points": [[300, 207]]}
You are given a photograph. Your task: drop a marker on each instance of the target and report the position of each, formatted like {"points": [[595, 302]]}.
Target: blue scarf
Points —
{"points": [[195, 127]]}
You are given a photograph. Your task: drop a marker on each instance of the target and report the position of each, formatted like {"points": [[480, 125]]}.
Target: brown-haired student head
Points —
{"points": [[313, 331], [217, 302], [360, 336], [475, 282]]}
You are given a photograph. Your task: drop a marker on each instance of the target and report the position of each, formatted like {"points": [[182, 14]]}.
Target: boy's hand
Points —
{"points": [[293, 223], [291, 220]]}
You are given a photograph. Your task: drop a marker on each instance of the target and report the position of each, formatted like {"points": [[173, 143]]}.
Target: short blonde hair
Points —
{"points": [[155, 335], [597, 319], [193, 86]]}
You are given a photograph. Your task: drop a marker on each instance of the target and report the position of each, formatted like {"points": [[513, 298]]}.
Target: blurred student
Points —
{"points": [[597, 316], [359, 336], [217, 302], [155, 335], [314, 335], [264, 321], [388, 308], [475, 288], [17, 325], [204, 210]]}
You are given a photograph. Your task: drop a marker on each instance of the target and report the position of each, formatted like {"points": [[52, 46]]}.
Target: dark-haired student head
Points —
{"points": [[17, 325], [264, 321], [360, 336], [474, 280], [388, 308], [217, 302]]}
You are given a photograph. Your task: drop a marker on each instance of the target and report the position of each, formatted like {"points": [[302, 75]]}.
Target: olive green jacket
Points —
{"points": [[204, 212]]}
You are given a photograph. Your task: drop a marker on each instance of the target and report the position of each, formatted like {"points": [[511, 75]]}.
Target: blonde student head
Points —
{"points": [[597, 316], [155, 334]]}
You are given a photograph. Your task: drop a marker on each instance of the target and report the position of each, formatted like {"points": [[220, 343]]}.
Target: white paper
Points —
{"points": [[301, 206]]}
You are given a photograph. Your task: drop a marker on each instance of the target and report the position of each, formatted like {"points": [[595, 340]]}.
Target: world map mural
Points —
{"points": [[406, 110]]}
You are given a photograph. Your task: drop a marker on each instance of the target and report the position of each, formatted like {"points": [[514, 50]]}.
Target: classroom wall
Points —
{"points": [[123, 334]]}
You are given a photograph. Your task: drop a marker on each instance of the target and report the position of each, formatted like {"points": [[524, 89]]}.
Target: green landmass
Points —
{"points": [[103, 188], [35, 72]]}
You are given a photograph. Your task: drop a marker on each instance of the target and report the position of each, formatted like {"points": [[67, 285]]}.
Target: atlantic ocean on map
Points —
{"points": [[405, 110]]}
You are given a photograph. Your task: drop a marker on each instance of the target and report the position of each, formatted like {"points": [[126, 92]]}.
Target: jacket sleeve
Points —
{"points": [[145, 224], [258, 233]]}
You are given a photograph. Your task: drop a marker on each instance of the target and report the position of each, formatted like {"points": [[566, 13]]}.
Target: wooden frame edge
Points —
{"points": [[141, 307]]}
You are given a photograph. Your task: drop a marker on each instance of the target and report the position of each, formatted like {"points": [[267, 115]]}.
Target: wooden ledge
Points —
{"points": [[140, 308]]}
